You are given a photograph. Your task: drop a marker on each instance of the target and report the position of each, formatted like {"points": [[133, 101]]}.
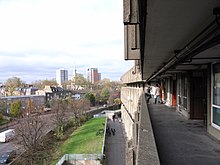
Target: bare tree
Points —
{"points": [[12, 83], [3, 107], [40, 84], [73, 106], [30, 135], [59, 107], [29, 106], [78, 107], [84, 106]]}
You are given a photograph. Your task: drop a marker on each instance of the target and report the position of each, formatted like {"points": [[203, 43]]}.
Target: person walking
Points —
{"points": [[157, 94], [147, 92]]}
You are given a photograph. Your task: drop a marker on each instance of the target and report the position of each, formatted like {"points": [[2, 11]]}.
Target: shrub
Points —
{"points": [[83, 119], [1, 117]]}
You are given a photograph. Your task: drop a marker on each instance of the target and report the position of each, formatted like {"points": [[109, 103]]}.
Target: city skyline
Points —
{"points": [[70, 73], [39, 37]]}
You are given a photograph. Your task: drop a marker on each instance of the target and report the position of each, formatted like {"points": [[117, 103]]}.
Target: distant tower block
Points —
{"points": [[93, 75], [61, 76]]}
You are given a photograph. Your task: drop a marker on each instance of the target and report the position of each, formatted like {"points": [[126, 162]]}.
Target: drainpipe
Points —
{"points": [[190, 49]]}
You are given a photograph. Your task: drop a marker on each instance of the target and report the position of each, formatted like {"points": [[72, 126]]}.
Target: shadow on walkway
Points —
{"points": [[180, 141], [115, 144]]}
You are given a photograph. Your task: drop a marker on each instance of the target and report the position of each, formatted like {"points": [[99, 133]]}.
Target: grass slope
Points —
{"points": [[85, 139]]}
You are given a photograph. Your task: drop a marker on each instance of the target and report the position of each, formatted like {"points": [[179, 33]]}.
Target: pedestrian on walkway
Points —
{"points": [[157, 94], [113, 131], [113, 118], [147, 91], [108, 131]]}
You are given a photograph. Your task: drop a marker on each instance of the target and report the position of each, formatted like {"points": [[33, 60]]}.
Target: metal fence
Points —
{"points": [[69, 157]]}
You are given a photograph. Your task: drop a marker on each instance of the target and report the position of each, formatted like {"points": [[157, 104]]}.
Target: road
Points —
{"points": [[5, 147]]}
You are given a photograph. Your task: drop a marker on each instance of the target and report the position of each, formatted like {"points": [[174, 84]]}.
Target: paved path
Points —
{"points": [[181, 141], [115, 148]]}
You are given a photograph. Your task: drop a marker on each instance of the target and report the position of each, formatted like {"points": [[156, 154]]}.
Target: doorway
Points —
{"points": [[174, 94], [198, 95]]}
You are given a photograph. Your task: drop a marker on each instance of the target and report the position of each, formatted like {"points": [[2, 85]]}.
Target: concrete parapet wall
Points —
{"points": [[130, 99], [128, 123], [140, 147], [132, 75], [146, 150]]}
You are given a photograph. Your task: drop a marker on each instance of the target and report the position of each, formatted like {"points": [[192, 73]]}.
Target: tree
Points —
{"points": [[3, 107], [42, 83], [98, 98], [30, 134], [85, 106], [15, 110], [111, 97], [106, 91], [74, 106], [80, 81], [90, 96], [65, 84], [105, 83], [117, 101], [12, 83], [78, 107], [59, 106], [30, 106], [1, 117], [105, 95]]}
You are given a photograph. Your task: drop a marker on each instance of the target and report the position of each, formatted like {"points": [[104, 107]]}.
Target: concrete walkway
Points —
{"points": [[181, 141], [115, 145]]}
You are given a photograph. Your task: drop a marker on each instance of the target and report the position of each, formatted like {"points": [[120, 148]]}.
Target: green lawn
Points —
{"points": [[85, 139]]}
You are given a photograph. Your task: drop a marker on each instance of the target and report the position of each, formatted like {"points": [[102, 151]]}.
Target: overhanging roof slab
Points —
{"points": [[170, 25]]}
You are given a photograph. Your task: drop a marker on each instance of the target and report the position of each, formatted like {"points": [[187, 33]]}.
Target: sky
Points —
{"points": [[37, 37]]}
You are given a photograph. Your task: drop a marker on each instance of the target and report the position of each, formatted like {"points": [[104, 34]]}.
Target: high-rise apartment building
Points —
{"points": [[93, 75], [61, 76]]}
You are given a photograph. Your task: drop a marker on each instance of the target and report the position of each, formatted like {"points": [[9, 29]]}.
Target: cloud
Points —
{"points": [[38, 37]]}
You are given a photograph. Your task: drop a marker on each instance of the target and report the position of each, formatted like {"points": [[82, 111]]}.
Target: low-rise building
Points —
{"points": [[38, 100]]}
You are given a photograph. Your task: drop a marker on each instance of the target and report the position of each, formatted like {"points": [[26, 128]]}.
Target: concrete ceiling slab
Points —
{"points": [[170, 25]]}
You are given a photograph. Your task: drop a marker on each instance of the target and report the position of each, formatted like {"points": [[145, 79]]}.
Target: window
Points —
{"points": [[179, 90], [182, 91], [185, 92], [216, 85], [216, 95], [216, 116]]}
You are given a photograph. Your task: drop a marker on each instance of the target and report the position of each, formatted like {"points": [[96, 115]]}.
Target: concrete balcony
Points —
{"points": [[158, 134], [131, 76]]}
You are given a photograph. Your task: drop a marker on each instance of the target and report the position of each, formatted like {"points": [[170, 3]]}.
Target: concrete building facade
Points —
{"points": [[93, 75], [61, 76], [177, 46]]}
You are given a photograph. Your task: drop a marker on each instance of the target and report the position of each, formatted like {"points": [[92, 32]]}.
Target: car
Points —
{"points": [[7, 157]]}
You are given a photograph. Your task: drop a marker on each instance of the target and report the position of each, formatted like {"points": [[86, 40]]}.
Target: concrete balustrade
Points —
{"points": [[140, 143]]}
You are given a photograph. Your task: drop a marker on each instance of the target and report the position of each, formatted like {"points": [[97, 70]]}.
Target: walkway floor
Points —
{"points": [[181, 141], [115, 148]]}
